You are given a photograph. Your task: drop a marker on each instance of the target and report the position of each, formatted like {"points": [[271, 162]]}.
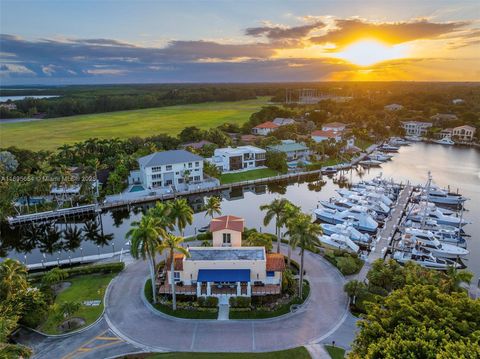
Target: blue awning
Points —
{"points": [[223, 275]]}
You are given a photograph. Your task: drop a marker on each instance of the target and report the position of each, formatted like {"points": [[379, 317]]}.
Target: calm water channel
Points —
{"points": [[458, 167]]}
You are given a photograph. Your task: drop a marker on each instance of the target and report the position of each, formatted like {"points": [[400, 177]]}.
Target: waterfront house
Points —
{"points": [[168, 169], [293, 150], [334, 126], [265, 128], [393, 107], [280, 121], [416, 128], [464, 133], [239, 158], [227, 268], [321, 135]]}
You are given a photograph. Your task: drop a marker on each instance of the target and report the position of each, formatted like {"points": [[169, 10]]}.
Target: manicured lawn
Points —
{"points": [[296, 353], [335, 352], [247, 176], [50, 134], [85, 287]]}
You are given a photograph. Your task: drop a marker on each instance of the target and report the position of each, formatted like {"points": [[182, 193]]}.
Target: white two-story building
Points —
{"points": [[241, 158], [168, 169]]}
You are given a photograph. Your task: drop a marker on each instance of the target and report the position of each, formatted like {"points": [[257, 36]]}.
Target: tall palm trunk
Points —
{"points": [[300, 285], [153, 279], [172, 280], [277, 229]]}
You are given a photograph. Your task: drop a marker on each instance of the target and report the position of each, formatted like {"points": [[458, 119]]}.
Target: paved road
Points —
{"points": [[131, 320]]}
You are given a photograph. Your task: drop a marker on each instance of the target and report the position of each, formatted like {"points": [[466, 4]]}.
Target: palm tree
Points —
{"points": [[145, 239], [275, 209], [291, 212], [181, 213], [303, 234], [173, 243], [13, 277], [213, 206]]}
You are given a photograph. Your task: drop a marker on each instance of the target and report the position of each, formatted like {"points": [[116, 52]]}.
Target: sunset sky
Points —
{"points": [[82, 41]]}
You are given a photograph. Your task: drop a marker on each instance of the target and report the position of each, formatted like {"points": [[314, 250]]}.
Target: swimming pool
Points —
{"points": [[137, 188]]}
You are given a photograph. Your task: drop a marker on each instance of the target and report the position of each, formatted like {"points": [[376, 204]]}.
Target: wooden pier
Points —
{"points": [[49, 215], [387, 233]]}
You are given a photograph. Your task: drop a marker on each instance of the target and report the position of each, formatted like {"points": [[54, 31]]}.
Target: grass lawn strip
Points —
{"points": [[247, 175], [335, 352], [85, 287], [295, 353]]}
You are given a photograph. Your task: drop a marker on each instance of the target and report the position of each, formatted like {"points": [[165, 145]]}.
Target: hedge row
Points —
{"points": [[104, 268], [209, 302]]}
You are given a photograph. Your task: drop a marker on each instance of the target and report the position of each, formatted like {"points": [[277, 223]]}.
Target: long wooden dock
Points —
{"points": [[387, 233], [58, 213]]}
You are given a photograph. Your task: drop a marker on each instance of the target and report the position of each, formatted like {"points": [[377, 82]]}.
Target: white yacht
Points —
{"points": [[445, 141], [398, 141], [425, 259], [378, 156], [370, 163], [418, 214], [388, 148], [339, 241], [358, 216], [426, 239], [346, 229]]}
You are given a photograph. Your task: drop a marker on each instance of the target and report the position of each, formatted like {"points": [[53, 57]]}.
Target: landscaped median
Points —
{"points": [[77, 297]]}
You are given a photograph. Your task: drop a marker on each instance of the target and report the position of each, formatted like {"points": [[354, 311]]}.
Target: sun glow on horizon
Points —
{"points": [[369, 52]]}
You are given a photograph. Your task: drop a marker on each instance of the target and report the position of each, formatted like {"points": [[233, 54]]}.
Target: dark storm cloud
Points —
{"points": [[281, 32]]}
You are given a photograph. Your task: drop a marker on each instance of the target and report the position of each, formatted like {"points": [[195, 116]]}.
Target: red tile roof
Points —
{"points": [[328, 134], [227, 222], [275, 262], [178, 264], [268, 124]]}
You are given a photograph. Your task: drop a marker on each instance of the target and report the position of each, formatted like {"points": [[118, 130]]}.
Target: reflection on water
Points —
{"points": [[454, 166]]}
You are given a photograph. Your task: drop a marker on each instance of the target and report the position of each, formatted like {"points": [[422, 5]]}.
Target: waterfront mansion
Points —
{"points": [[226, 268]]}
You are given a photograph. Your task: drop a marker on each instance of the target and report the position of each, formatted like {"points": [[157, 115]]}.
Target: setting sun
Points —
{"points": [[369, 52]]}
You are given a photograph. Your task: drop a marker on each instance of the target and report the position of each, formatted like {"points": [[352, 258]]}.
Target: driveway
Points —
{"points": [[130, 319]]}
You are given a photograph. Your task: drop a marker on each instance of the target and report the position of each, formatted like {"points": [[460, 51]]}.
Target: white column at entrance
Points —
{"points": [[249, 289], [199, 289], [239, 290], [209, 290]]}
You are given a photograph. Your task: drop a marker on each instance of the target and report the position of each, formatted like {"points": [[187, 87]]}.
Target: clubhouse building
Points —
{"points": [[227, 268]]}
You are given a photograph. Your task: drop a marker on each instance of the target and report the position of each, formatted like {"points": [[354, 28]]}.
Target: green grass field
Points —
{"points": [[247, 176], [51, 133], [85, 287]]}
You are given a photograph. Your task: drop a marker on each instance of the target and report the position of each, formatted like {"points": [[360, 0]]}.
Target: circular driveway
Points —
{"points": [[132, 320]]}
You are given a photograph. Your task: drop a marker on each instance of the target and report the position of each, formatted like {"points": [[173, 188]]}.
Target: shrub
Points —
{"points": [[240, 302], [207, 302], [347, 265]]}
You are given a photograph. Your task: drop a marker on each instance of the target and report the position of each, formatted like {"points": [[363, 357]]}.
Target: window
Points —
{"points": [[270, 273], [227, 238], [168, 168], [176, 276]]}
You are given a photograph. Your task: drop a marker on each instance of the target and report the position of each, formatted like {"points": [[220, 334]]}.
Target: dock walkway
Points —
{"points": [[386, 234]]}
